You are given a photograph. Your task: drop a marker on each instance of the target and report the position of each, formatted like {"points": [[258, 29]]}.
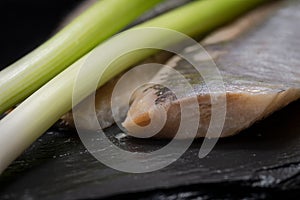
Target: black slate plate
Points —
{"points": [[264, 160]]}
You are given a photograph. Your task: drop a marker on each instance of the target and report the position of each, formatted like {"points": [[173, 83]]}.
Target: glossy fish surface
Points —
{"points": [[103, 96], [260, 71]]}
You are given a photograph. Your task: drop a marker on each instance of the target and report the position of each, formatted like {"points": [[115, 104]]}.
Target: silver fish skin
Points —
{"points": [[103, 96], [260, 70]]}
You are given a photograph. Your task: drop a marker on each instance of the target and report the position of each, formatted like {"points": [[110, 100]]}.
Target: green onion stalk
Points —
{"points": [[98, 23], [41, 110]]}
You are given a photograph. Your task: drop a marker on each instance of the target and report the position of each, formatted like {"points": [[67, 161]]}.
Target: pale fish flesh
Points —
{"points": [[260, 70], [104, 94]]}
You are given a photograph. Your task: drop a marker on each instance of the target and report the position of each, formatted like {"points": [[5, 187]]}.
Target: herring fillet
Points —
{"points": [[260, 70], [104, 94]]}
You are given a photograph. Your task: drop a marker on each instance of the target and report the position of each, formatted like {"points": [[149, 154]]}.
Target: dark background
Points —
{"points": [[25, 24]]}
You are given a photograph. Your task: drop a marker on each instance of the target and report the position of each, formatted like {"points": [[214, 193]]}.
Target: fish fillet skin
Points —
{"points": [[260, 70], [104, 94]]}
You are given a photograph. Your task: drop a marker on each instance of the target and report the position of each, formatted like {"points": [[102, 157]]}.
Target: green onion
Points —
{"points": [[98, 23], [41, 110]]}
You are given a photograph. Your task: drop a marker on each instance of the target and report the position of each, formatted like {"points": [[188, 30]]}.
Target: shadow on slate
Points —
{"points": [[262, 161]]}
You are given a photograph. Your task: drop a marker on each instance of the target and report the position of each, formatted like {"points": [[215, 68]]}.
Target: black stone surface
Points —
{"points": [[261, 162]]}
